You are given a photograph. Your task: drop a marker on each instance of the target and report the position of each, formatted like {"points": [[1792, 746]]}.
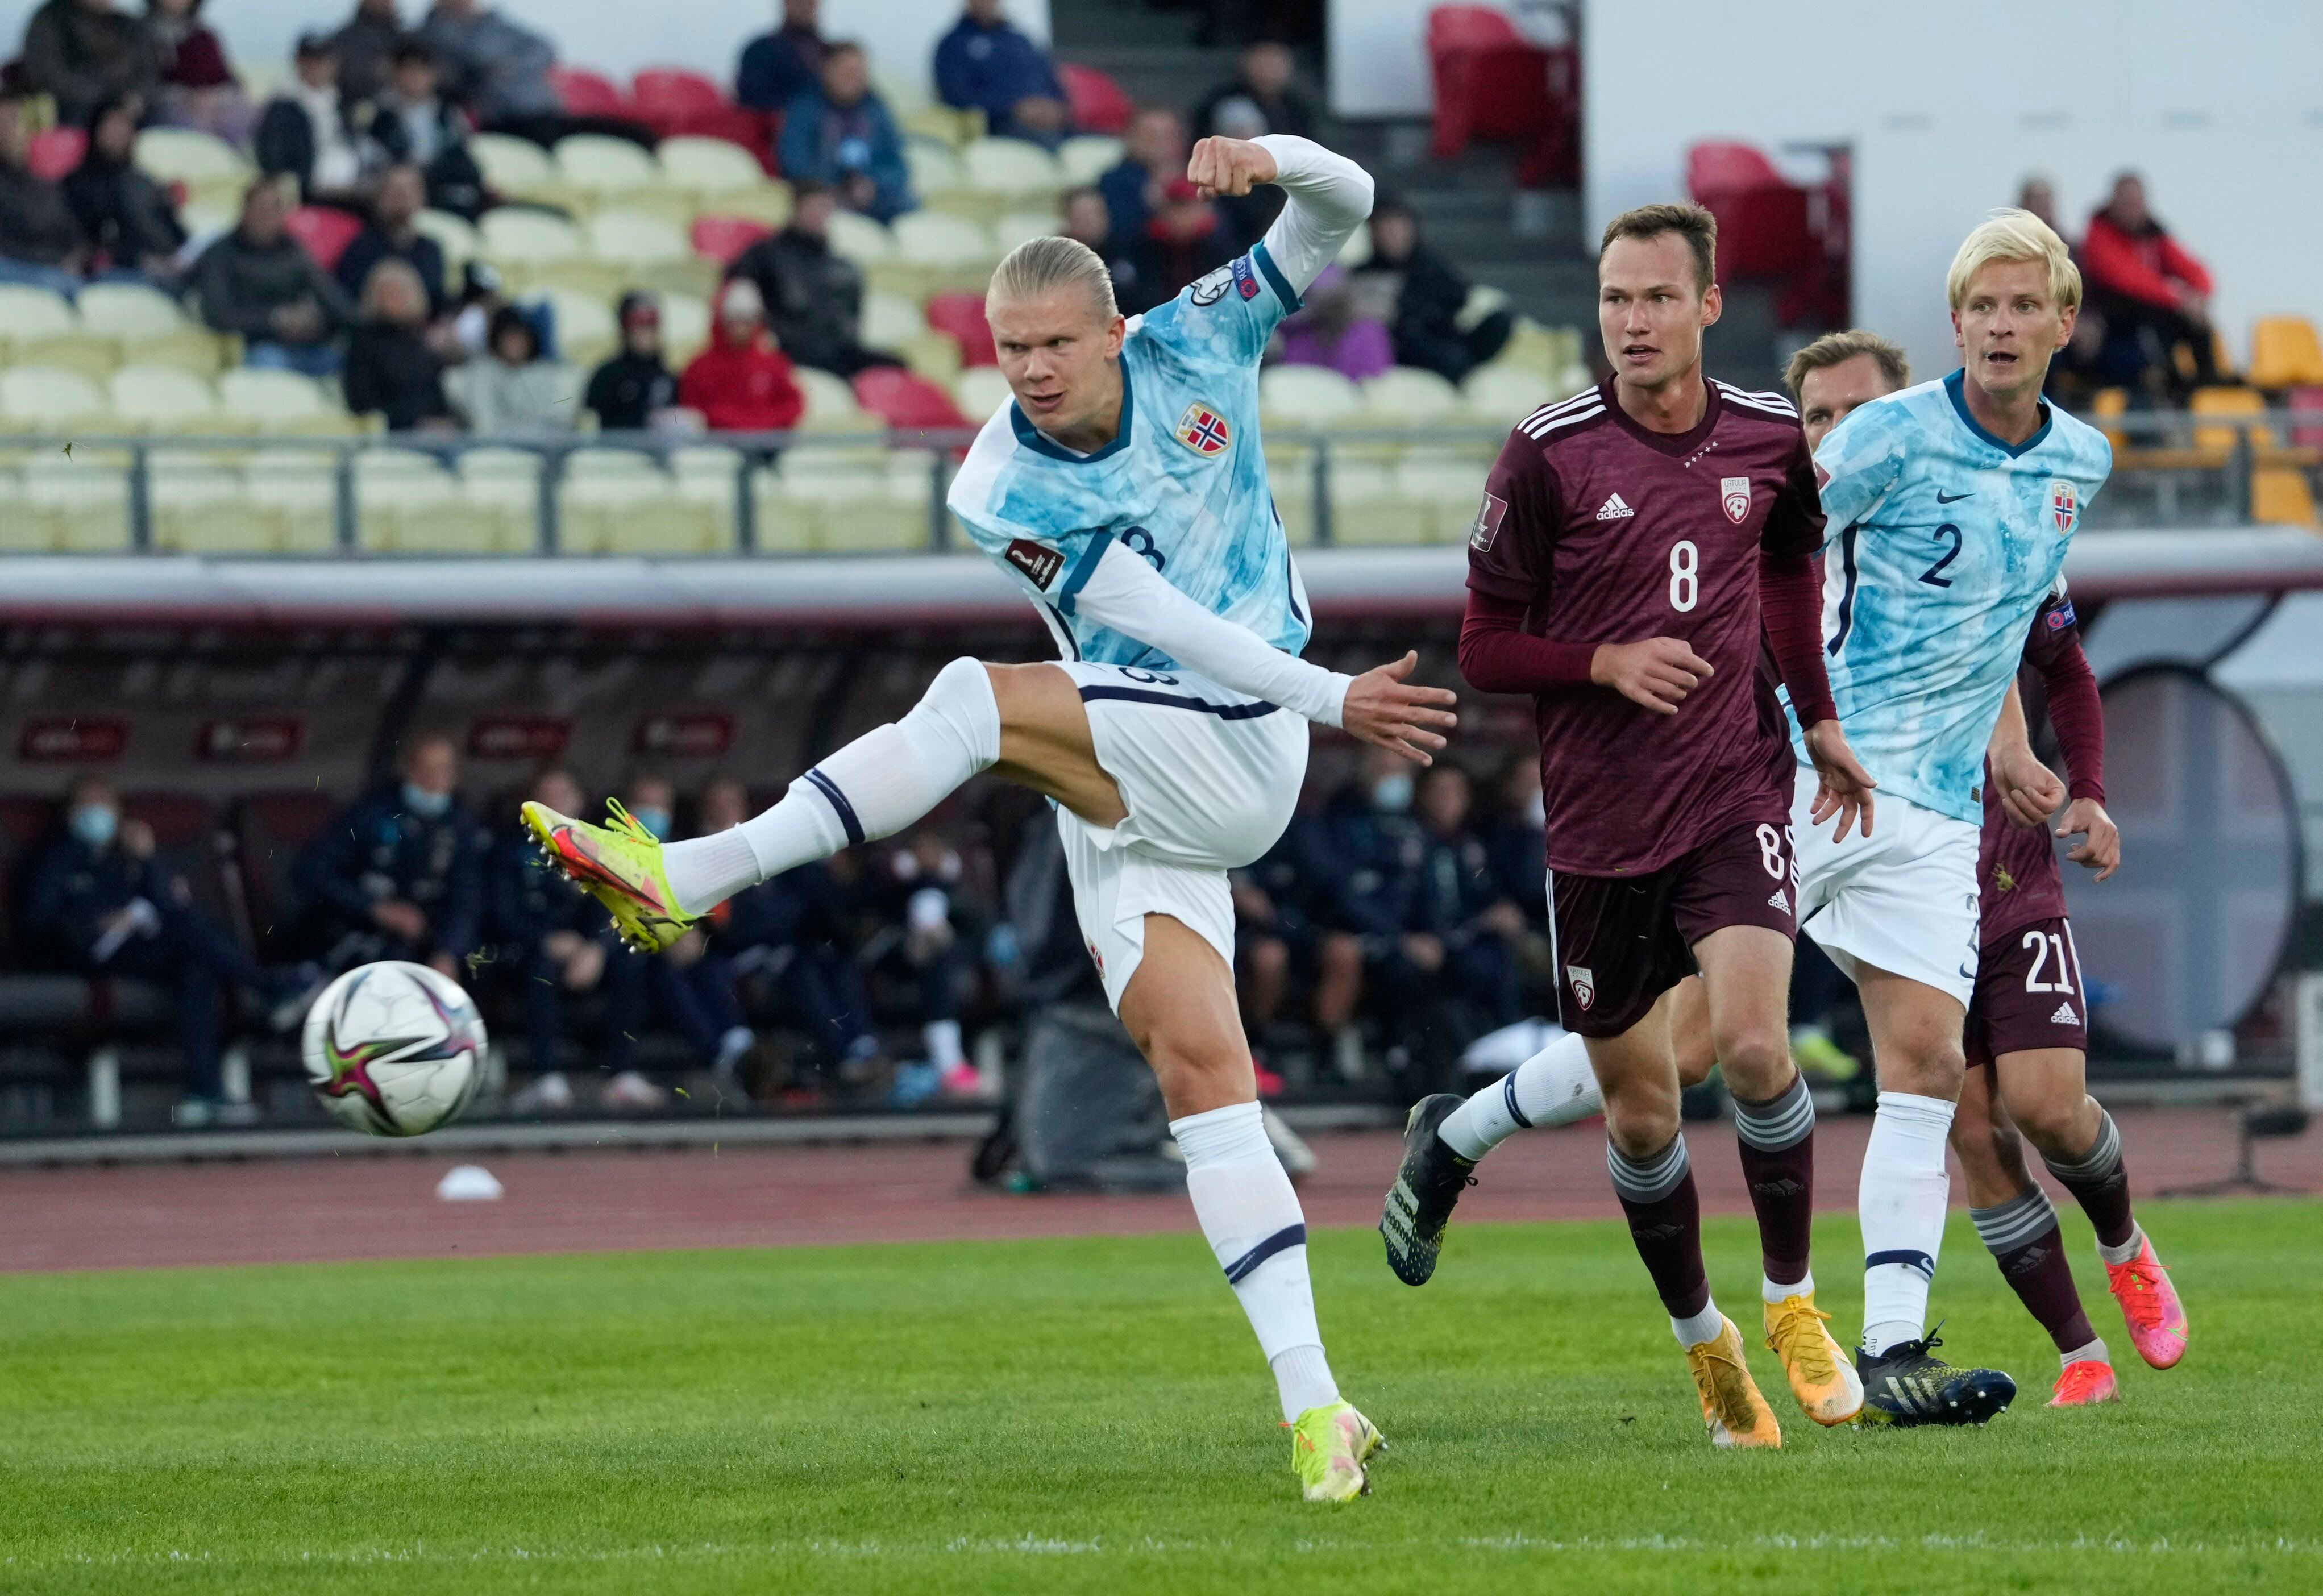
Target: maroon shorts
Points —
{"points": [[1621, 942], [2028, 995]]}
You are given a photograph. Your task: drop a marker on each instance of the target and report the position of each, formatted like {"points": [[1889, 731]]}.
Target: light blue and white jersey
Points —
{"points": [[1941, 543], [1183, 484]]}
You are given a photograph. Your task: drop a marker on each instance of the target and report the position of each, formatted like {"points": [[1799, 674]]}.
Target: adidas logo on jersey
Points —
{"points": [[1613, 509], [1779, 902], [2065, 1016]]}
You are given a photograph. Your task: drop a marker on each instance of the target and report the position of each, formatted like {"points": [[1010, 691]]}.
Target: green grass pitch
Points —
{"points": [[1092, 1415]]}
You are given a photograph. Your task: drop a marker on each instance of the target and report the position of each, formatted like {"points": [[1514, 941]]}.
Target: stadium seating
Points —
{"points": [[708, 168], [207, 166], [830, 404], [672, 99], [66, 504], [721, 238], [1491, 82], [1015, 168], [324, 231], [2280, 496], [46, 399], [55, 152], [908, 402], [980, 391], [283, 403], [599, 165], [961, 315], [457, 236], [1088, 157], [1099, 105], [588, 94], [2216, 443], [2284, 353], [168, 399], [1014, 227], [617, 501], [1407, 396]]}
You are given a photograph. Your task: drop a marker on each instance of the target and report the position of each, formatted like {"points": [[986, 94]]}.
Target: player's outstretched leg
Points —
{"points": [[2135, 1276], [874, 787], [1901, 1200], [1178, 1007], [1447, 1134], [2015, 1222]]}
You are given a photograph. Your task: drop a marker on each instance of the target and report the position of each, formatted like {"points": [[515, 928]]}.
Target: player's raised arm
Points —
{"points": [[1329, 196]]}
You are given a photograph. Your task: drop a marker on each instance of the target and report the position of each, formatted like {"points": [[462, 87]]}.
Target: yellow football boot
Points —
{"points": [[1329, 1446], [1731, 1408], [619, 865], [1822, 1376]]}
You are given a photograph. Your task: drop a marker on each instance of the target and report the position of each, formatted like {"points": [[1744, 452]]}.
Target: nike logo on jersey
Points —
{"points": [[2065, 1016], [1613, 509], [1944, 497]]}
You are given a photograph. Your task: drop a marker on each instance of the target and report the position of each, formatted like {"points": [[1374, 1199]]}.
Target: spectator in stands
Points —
{"points": [[922, 945], [988, 64], [392, 370], [1085, 218], [491, 65], [1366, 857], [198, 88], [40, 244], [81, 53], [629, 391], [394, 234], [777, 68], [1516, 836], [553, 940], [841, 134], [1461, 903], [1185, 240], [99, 898], [741, 382], [127, 216], [399, 873], [1263, 87], [514, 390], [257, 284], [366, 45], [1432, 325], [1153, 152], [1331, 331], [413, 121], [308, 131], [2141, 281], [812, 294]]}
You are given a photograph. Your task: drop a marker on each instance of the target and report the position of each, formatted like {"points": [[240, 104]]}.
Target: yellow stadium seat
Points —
{"points": [[1409, 397], [586, 331], [45, 399], [28, 315], [943, 124], [500, 489], [980, 391], [1367, 506], [684, 327], [128, 310], [300, 490], [514, 236], [513, 166], [2220, 441], [2279, 496], [1307, 398], [274, 401], [935, 169], [890, 320], [1502, 396], [1013, 167], [592, 280], [183, 155], [1089, 157], [633, 238], [168, 399], [708, 476], [457, 236], [945, 243], [1446, 489], [830, 404], [616, 501], [1016, 226], [405, 502], [202, 505], [769, 203], [597, 163], [860, 239], [71, 506], [708, 167], [2285, 352]]}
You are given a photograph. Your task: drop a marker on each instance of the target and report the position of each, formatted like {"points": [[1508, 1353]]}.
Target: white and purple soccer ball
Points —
{"points": [[393, 1048]]}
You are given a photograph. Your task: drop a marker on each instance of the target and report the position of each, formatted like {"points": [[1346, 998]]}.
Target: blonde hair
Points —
{"points": [[393, 273], [1837, 348], [1043, 265], [2013, 235]]}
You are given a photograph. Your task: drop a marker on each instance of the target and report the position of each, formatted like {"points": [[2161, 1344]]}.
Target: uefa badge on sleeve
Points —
{"points": [[1734, 493], [2064, 506]]}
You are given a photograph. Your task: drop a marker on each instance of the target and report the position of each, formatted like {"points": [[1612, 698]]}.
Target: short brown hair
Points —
{"points": [[1836, 348], [1691, 222]]}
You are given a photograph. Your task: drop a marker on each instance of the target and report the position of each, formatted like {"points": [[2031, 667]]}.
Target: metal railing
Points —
{"points": [[2196, 470]]}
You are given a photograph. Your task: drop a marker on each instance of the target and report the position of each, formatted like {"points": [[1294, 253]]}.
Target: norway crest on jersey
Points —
{"points": [[1734, 493], [2064, 506], [1203, 430]]}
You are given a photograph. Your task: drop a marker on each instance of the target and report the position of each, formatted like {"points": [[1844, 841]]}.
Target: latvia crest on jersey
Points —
{"points": [[2064, 505], [1735, 495], [1203, 430]]}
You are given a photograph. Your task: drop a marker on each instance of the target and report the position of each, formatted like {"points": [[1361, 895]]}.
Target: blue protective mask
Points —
{"points": [[94, 824], [1391, 794], [656, 820], [427, 805]]}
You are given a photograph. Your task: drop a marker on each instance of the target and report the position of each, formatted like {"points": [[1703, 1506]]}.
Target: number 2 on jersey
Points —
{"points": [[1685, 581], [1933, 576], [2040, 942]]}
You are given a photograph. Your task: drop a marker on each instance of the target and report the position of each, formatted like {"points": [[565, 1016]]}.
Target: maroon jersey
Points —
{"points": [[1610, 533], [2017, 878]]}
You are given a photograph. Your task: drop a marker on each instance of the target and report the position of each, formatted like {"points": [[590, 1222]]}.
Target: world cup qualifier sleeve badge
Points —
{"points": [[2064, 506], [1203, 430]]}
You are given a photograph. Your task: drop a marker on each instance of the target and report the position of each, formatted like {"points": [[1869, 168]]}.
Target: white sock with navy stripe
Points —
{"points": [[1252, 1219], [1555, 1086], [874, 787], [1901, 1201]]}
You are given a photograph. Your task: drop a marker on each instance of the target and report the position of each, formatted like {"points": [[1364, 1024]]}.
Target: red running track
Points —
{"points": [[364, 1206]]}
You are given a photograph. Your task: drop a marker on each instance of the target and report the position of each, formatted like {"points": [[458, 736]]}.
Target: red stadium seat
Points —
{"points": [[55, 152], [665, 96], [721, 238], [588, 94], [1100, 105], [324, 232], [2306, 406], [1492, 83], [962, 316], [1715, 168], [908, 402], [1767, 229]]}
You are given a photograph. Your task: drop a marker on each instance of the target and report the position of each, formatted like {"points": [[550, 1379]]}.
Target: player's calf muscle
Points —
{"points": [[1046, 745]]}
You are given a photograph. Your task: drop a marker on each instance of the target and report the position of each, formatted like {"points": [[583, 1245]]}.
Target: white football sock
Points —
{"points": [[2094, 1352], [1901, 1202], [874, 787], [1704, 1327], [1252, 1219], [1773, 1291], [2128, 1250], [1555, 1086]]}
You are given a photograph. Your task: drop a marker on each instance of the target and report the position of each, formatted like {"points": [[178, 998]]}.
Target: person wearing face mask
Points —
{"points": [[550, 940], [400, 874], [98, 896], [689, 985], [1367, 858]]}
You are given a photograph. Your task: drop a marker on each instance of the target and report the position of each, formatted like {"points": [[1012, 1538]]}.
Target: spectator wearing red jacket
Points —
{"points": [[2141, 281], [741, 382], [198, 88]]}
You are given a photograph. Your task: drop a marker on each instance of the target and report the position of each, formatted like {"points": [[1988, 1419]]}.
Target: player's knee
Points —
{"points": [[1640, 1118], [2051, 1123], [1757, 1064]]}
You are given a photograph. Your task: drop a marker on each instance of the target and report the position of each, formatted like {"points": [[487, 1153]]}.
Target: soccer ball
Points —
{"points": [[393, 1048]]}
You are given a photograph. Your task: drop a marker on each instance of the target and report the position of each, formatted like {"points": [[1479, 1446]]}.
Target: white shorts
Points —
{"points": [[1210, 777], [1903, 900]]}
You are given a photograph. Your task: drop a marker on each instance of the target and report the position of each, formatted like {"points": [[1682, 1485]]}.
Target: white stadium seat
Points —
{"points": [[597, 163], [1088, 157], [708, 167], [1013, 167]]}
